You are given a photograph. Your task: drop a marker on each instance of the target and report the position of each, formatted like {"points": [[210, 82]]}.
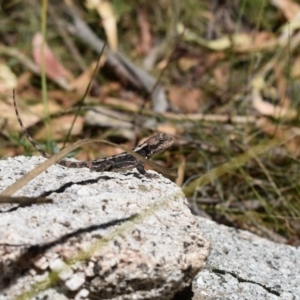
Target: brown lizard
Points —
{"points": [[119, 162]]}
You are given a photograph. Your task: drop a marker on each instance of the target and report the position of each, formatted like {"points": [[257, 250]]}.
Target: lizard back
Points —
{"points": [[153, 145]]}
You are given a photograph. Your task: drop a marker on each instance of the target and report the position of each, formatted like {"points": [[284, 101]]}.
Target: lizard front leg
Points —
{"points": [[140, 167]]}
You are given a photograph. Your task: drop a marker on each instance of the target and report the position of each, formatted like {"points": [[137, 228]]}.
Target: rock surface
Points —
{"points": [[244, 266], [106, 236]]}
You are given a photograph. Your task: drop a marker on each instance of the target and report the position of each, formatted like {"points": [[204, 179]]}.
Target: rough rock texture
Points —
{"points": [[245, 266], [135, 237]]}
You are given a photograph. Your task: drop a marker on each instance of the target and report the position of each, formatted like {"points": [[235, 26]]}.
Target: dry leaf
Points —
{"points": [[24, 80], [263, 40], [109, 21], [240, 42], [128, 106], [238, 39], [53, 68], [146, 39], [29, 114], [295, 72], [82, 81], [186, 63], [185, 99], [60, 127], [289, 8], [168, 128], [8, 79], [269, 109]]}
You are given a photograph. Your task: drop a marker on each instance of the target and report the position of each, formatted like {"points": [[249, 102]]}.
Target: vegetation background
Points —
{"points": [[221, 76]]}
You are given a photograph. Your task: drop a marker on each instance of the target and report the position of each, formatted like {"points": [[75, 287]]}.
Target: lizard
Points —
{"points": [[119, 162]]}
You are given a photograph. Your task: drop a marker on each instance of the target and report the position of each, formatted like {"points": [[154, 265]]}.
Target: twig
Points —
{"points": [[122, 67], [68, 42], [24, 200]]}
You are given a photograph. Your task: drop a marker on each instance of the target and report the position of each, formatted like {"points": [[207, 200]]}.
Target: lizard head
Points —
{"points": [[158, 143]]}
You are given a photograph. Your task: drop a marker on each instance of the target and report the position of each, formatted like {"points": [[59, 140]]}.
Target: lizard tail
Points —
{"points": [[32, 142]]}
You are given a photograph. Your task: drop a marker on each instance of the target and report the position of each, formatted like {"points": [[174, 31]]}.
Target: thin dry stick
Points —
{"points": [[24, 200], [60, 27]]}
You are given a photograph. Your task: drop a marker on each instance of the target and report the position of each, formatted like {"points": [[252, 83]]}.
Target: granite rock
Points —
{"points": [[244, 266], [106, 235]]}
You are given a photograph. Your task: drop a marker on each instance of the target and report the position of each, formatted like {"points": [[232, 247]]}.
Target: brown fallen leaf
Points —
{"points": [[53, 68], [168, 128], [260, 41], [60, 127], [8, 80], [289, 8], [185, 99], [295, 72], [109, 21], [31, 114], [268, 109], [186, 63], [146, 39], [281, 84], [82, 81]]}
